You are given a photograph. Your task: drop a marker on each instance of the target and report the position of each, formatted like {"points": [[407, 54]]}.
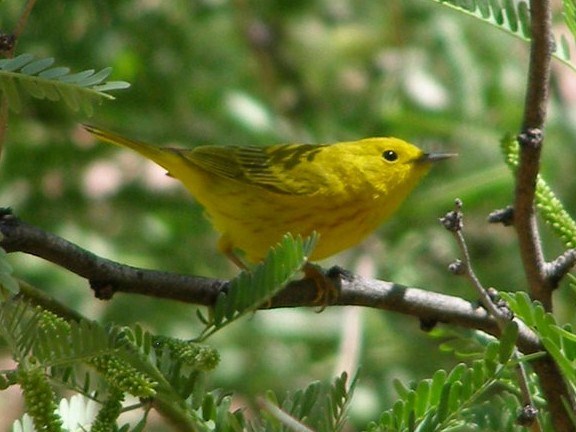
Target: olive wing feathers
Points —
{"points": [[279, 168]]}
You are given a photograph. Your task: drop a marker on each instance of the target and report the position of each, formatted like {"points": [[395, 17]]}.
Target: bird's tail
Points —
{"points": [[161, 156]]}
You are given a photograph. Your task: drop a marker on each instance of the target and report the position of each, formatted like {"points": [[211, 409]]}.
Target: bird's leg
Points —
{"points": [[327, 292], [226, 248]]}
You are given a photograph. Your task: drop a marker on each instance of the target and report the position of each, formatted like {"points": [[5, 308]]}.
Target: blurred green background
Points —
{"points": [[254, 73]]}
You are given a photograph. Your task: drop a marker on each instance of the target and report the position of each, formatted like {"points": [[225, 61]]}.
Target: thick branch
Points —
{"points": [[530, 140], [541, 285], [541, 48], [525, 218]]}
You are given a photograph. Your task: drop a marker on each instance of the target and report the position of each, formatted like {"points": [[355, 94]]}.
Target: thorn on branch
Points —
{"points": [[493, 294], [532, 137], [457, 268], [453, 220], [7, 221], [103, 290], [504, 216], [500, 304], [558, 268], [427, 324], [337, 272], [224, 288], [528, 414], [6, 212]]}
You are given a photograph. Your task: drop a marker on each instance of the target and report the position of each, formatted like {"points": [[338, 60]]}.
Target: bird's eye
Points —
{"points": [[390, 155]]}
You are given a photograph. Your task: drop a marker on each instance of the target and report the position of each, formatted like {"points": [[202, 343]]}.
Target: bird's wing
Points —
{"points": [[281, 168]]}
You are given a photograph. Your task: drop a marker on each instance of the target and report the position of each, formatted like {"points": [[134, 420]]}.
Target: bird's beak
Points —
{"points": [[435, 156]]}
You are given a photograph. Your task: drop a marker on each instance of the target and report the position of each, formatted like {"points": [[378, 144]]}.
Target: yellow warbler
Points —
{"points": [[255, 195]]}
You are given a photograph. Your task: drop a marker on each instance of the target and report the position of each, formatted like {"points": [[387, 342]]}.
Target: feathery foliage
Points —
{"points": [[130, 361], [319, 407], [513, 17], [551, 208], [569, 14], [468, 395], [250, 289], [8, 285], [507, 15], [39, 79], [559, 341]]}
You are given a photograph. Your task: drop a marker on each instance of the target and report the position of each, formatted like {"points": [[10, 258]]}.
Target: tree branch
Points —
{"points": [[530, 140], [453, 221], [108, 277], [540, 282]]}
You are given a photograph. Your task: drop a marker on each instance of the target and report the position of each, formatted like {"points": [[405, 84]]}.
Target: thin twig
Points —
{"points": [[23, 20], [283, 417], [454, 222]]}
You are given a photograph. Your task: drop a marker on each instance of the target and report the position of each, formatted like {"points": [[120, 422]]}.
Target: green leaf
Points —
{"points": [[550, 207], [319, 407], [438, 380], [400, 388], [422, 397], [508, 341], [444, 403], [455, 396], [37, 66], [53, 73], [521, 304], [77, 77], [111, 85], [96, 78], [569, 15], [6, 280], [11, 93], [16, 63], [512, 17], [33, 89], [564, 333], [70, 97], [38, 79], [250, 289], [457, 373], [9, 283], [564, 364]]}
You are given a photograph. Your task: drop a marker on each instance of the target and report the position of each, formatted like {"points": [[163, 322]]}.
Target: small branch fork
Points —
{"points": [[453, 221], [551, 380], [542, 278]]}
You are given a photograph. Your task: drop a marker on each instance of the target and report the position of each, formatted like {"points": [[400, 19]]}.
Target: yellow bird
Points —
{"points": [[255, 195]]}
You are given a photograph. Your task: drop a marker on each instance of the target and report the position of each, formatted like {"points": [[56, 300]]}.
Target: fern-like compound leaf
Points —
{"points": [[37, 78]]}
